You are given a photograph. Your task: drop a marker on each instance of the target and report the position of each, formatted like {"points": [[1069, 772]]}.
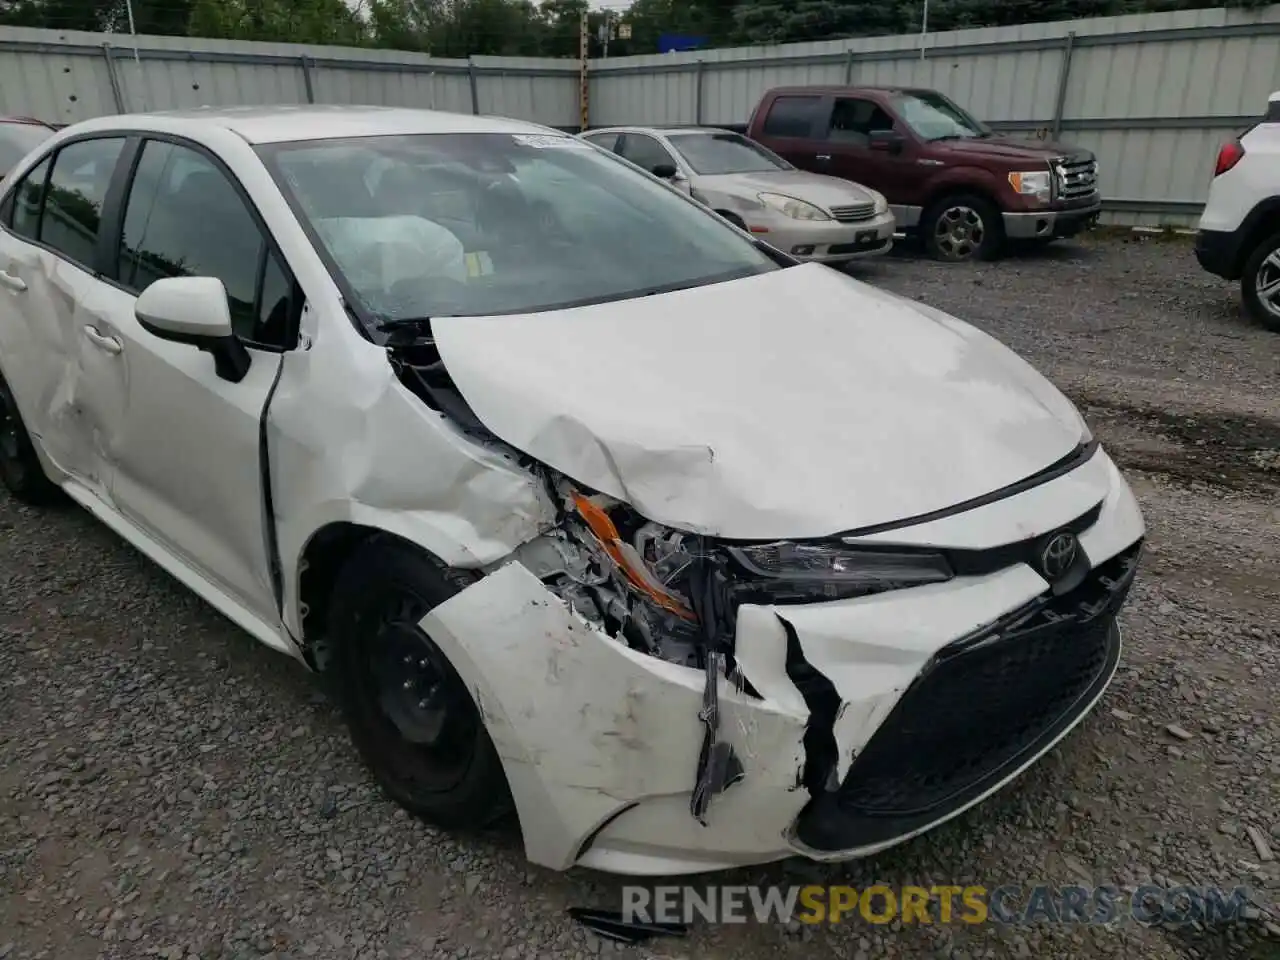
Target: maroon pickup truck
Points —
{"points": [[963, 188]]}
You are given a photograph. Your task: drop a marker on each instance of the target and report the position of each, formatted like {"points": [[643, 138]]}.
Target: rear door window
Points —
{"points": [[73, 202], [607, 140], [792, 116], [28, 200], [644, 151]]}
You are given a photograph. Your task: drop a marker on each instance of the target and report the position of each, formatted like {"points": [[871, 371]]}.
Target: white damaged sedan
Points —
{"points": [[591, 507]]}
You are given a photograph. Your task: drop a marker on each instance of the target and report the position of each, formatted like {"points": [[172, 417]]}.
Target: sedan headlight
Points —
{"points": [[827, 571], [791, 207], [881, 203], [1032, 183]]}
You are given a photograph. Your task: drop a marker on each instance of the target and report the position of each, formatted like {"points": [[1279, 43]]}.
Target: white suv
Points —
{"points": [[1239, 231]]}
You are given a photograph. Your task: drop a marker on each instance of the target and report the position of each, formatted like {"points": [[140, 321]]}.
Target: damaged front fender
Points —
{"points": [[599, 741]]}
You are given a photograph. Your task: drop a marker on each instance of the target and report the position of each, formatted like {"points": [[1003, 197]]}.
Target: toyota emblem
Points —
{"points": [[1059, 554]]}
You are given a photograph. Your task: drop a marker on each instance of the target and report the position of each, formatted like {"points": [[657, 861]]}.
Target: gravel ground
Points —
{"points": [[167, 788]]}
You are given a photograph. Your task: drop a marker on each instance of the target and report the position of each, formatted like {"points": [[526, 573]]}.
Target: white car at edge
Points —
{"points": [[592, 507]]}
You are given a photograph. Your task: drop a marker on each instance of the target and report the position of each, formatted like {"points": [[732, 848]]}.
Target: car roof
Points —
{"points": [[280, 124]]}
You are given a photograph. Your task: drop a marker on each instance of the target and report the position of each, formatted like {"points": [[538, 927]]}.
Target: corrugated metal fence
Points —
{"points": [[64, 76], [1152, 95]]}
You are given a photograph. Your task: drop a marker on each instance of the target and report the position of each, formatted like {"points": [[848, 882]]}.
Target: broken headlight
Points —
{"points": [[818, 571]]}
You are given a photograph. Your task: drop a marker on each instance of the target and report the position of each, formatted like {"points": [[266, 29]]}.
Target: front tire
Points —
{"points": [[411, 717], [1260, 283], [962, 227], [20, 468]]}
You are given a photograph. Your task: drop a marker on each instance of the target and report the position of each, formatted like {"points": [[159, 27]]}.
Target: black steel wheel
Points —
{"points": [[411, 716], [20, 468]]}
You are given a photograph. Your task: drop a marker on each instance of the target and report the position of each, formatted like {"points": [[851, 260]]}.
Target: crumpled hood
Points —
{"points": [[797, 403]]}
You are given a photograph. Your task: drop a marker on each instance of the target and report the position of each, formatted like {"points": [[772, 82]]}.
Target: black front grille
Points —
{"points": [[983, 706]]}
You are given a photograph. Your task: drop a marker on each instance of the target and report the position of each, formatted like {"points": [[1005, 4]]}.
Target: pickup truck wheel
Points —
{"points": [[411, 716], [962, 227], [20, 468], [1260, 283]]}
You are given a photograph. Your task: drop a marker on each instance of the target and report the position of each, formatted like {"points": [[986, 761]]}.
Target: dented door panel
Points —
{"points": [[70, 386]]}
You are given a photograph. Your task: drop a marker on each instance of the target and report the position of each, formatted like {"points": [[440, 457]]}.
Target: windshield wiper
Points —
{"points": [[399, 323]]}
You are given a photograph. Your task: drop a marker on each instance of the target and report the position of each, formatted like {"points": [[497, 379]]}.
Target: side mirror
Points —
{"points": [[889, 141], [194, 311], [665, 171]]}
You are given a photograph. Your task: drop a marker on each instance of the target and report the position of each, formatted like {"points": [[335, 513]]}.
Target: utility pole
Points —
{"points": [[584, 88], [924, 26]]}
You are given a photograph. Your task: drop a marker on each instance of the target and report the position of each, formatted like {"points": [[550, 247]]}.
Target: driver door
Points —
{"points": [[188, 456]]}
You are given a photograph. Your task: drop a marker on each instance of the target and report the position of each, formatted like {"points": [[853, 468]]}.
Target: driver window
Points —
{"points": [[184, 217], [643, 151], [853, 121]]}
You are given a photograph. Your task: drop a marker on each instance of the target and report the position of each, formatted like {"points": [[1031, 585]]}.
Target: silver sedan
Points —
{"points": [[808, 215]]}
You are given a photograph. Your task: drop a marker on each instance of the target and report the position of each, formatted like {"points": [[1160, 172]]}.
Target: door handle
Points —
{"points": [[823, 156], [110, 344], [9, 281]]}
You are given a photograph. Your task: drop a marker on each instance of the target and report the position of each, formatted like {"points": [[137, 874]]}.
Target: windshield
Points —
{"points": [[712, 153], [933, 117], [477, 224], [17, 140]]}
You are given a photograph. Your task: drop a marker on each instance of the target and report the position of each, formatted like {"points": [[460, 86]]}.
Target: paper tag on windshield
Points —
{"points": [[544, 141]]}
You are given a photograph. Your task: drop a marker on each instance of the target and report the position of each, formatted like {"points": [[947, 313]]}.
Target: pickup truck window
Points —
{"points": [[791, 117], [853, 120], [933, 117]]}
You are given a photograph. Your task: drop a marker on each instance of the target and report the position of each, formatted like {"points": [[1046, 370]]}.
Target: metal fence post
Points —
{"points": [[475, 94], [697, 106], [848, 67], [1064, 74], [306, 78], [117, 93]]}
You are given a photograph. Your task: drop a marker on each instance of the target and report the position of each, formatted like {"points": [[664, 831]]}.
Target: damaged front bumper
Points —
{"points": [[848, 726]]}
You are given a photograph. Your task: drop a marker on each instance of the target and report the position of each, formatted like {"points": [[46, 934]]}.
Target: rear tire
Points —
{"points": [[411, 717], [962, 227], [1260, 283], [20, 468]]}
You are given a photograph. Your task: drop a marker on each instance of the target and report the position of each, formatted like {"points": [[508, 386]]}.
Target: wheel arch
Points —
{"points": [[1261, 223], [975, 186], [319, 565]]}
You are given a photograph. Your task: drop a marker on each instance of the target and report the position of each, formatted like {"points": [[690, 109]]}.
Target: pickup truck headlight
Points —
{"points": [[791, 207], [1033, 183], [829, 571]]}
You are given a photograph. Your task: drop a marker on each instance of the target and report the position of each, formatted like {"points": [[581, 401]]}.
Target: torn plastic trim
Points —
{"points": [[412, 352], [821, 764]]}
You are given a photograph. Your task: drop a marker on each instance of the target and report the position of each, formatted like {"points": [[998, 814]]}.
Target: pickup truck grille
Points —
{"points": [[1077, 177], [854, 212]]}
